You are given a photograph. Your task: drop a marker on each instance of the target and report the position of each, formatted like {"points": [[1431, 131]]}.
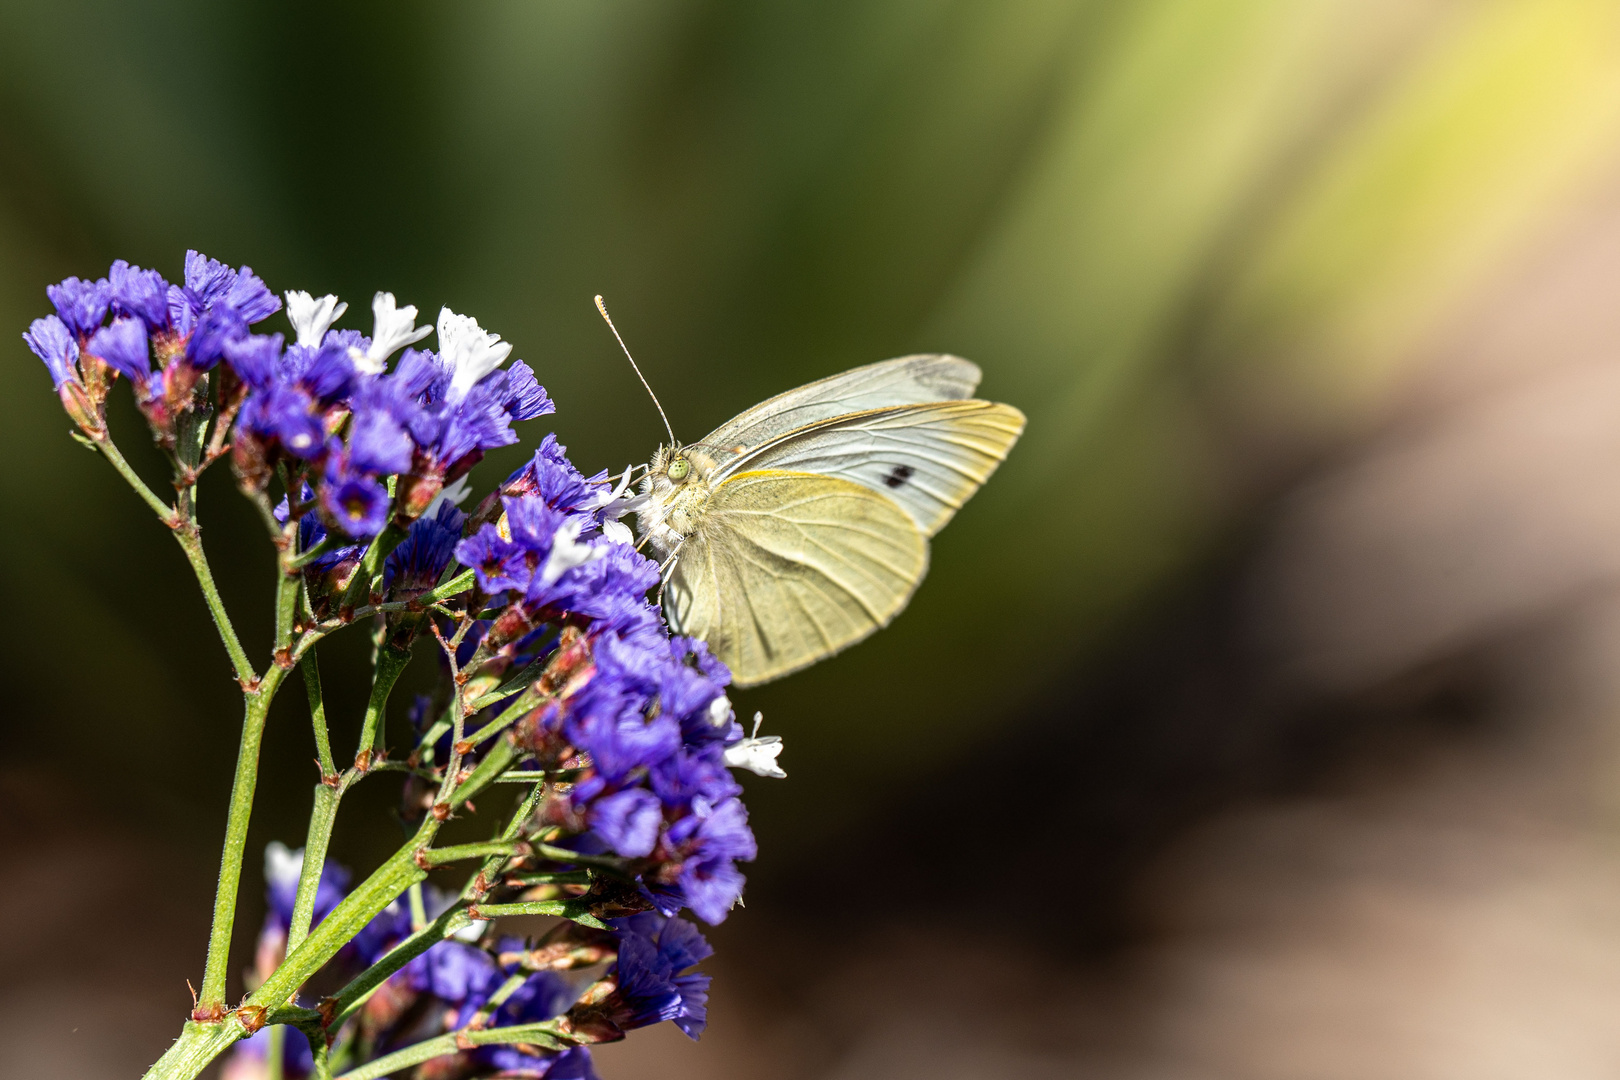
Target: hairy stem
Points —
{"points": [[547, 1035], [310, 665], [110, 451], [316, 840], [200, 1043], [391, 663], [212, 999], [189, 537]]}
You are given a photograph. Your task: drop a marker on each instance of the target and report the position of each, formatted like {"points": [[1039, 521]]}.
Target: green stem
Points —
{"points": [[110, 451], [351, 998], [545, 1035], [236, 826], [310, 665], [189, 537], [390, 664], [360, 585], [457, 852], [200, 1043], [575, 910], [309, 555], [534, 776], [197, 1045], [513, 983], [456, 585], [316, 839], [287, 582]]}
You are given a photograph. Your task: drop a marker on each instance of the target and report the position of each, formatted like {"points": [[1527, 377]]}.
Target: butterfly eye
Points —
{"points": [[679, 468]]}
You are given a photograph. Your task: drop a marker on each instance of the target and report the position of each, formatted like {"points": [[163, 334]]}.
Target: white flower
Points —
{"points": [[282, 864], [455, 494], [720, 712], [470, 351], [393, 329], [567, 552], [311, 318], [755, 754], [615, 504]]}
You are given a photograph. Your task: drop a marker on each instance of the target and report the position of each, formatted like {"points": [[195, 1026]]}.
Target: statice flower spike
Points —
{"points": [[393, 329], [469, 351], [556, 663], [312, 317]]}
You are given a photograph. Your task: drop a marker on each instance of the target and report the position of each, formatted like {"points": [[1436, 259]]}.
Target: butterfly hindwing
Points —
{"points": [[789, 567]]}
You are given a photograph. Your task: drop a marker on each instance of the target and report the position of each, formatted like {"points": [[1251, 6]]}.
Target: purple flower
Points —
{"points": [[53, 343], [355, 504], [142, 294], [312, 532], [255, 358], [712, 840], [123, 346], [416, 565], [654, 983], [629, 821], [523, 398], [210, 282], [218, 327], [325, 373], [285, 416], [81, 305], [378, 442]]}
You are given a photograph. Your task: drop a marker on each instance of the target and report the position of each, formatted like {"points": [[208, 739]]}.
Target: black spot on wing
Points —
{"points": [[898, 475]]}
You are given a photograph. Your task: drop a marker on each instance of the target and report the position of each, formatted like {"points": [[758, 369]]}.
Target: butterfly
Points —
{"points": [[801, 526]]}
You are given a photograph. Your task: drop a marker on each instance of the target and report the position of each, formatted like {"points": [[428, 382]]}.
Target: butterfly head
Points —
{"points": [[677, 487]]}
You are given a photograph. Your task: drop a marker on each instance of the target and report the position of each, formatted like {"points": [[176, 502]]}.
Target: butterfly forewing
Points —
{"points": [[789, 567], [902, 381], [928, 458]]}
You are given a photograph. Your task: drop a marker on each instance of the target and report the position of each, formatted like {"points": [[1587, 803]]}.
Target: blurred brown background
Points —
{"points": [[1259, 719]]}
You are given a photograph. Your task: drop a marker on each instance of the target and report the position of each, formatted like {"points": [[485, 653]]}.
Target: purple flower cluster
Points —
{"points": [[453, 986], [643, 715], [325, 406], [161, 337]]}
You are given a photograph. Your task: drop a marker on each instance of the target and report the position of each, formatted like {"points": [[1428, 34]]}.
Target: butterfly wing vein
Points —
{"points": [[787, 568]]}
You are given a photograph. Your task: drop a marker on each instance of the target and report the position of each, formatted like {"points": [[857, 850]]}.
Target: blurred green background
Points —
{"points": [[1196, 242]]}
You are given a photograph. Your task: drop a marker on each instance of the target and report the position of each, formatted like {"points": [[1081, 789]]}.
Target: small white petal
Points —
{"points": [[618, 532], [567, 552], [470, 934], [455, 494], [470, 351], [282, 864], [393, 329], [720, 712], [312, 317], [758, 756]]}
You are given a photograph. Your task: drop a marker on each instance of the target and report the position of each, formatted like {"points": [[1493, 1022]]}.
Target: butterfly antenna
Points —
{"points": [[600, 306]]}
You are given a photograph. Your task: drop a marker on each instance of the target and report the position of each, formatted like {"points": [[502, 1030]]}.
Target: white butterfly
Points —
{"points": [[802, 526]]}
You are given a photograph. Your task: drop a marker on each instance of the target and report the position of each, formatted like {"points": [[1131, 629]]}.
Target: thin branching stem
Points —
{"points": [[212, 996]]}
